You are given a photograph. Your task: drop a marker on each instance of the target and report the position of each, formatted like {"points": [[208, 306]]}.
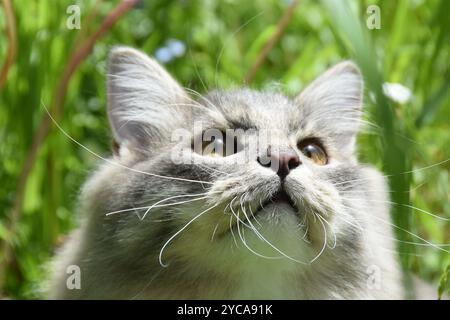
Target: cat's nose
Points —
{"points": [[282, 161]]}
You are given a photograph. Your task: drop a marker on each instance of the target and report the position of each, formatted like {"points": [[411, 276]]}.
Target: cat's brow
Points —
{"points": [[243, 124]]}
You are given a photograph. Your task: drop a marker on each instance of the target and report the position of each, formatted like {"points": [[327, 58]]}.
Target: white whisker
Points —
{"points": [[405, 205], [214, 232], [179, 231], [159, 206], [431, 244], [169, 204], [116, 163], [271, 245]]}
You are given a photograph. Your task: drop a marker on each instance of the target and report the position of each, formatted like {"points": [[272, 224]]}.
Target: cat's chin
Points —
{"points": [[277, 206], [276, 210], [271, 215]]}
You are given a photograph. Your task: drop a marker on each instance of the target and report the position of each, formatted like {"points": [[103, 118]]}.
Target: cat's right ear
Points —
{"points": [[142, 99], [332, 105]]}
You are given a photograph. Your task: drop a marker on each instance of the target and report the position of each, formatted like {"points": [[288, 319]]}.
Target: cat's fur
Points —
{"points": [[343, 208]]}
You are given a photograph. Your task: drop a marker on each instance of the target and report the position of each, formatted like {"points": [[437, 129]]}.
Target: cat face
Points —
{"points": [[272, 175]]}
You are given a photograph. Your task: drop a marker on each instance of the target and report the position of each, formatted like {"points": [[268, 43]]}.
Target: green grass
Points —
{"points": [[411, 48]]}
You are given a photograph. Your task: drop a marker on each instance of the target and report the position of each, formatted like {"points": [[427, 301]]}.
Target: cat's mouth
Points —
{"points": [[274, 208], [279, 198]]}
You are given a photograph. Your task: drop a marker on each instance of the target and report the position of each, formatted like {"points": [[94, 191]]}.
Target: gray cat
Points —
{"points": [[180, 213]]}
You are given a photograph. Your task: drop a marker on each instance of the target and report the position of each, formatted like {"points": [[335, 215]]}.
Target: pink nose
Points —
{"points": [[282, 161]]}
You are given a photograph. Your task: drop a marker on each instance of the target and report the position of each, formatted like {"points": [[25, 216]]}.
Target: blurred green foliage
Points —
{"points": [[222, 41]]}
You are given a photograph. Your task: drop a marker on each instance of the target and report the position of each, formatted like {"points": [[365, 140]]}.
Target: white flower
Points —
{"points": [[397, 92]]}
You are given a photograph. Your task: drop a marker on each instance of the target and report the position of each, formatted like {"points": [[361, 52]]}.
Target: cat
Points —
{"points": [[290, 214]]}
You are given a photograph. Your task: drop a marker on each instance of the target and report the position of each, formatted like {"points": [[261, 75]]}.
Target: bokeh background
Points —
{"points": [[276, 44]]}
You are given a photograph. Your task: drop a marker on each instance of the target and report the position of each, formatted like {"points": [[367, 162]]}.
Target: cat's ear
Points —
{"points": [[142, 99], [333, 104]]}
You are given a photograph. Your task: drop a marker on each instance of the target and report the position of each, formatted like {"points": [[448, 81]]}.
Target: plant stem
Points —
{"points": [[44, 129], [281, 27]]}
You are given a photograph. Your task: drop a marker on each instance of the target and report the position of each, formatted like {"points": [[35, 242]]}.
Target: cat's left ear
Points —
{"points": [[332, 105]]}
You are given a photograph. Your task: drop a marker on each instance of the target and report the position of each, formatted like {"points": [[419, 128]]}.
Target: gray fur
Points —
{"points": [[119, 254]]}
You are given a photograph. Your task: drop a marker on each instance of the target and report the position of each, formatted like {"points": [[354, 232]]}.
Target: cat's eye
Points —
{"points": [[216, 144], [313, 150]]}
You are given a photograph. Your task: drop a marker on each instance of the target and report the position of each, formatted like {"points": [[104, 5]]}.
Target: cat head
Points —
{"points": [[280, 168]]}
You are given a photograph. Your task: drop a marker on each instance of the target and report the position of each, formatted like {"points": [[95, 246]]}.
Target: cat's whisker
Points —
{"points": [[367, 126], [253, 251], [168, 195], [241, 200], [218, 171], [393, 238], [202, 184], [239, 221], [428, 167], [364, 123], [431, 244], [156, 205], [304, 226], [147, 285], [231, 225], [237, 214], [349, 182], [242, 236], [197, 72], [254, 216], [180, 231], [159, 206], [420, 210], [116, 163], [396, 174], [405, 205], [351, 191], [140, 115], [304, 237], [420, 244], [239, 230], [193, 105], [214, 232], [324, 238], [270, 244], [162, 220], [213, 171], [202, 97], [417, 187], [334, 233], [219, 57], [125, 210], [402, 253], [305, 219], [357, 226]]}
